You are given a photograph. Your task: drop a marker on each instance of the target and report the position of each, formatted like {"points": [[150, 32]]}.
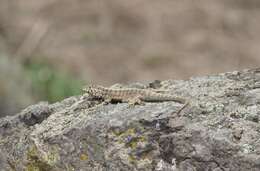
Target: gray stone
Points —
{"points": [[218, 130]]}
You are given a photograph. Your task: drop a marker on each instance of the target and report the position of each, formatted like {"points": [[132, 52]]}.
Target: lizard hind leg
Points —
{"points": [[135, 101], [107, 101]]}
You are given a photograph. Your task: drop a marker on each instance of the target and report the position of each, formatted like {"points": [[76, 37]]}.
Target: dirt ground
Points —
{"points": [[114, 41]]}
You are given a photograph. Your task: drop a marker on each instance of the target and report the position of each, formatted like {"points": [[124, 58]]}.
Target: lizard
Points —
{"points": [[130, 95]]}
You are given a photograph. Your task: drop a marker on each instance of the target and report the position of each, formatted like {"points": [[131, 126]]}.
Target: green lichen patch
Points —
{"points": [[52, 156], [132, 142], [35, 162], [83, 156], [130, 137], [135, 144], [132, 159], [139, 162]]}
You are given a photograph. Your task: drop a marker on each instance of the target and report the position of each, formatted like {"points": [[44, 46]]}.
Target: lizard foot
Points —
{"points": [[135, 101], [107, 101]]}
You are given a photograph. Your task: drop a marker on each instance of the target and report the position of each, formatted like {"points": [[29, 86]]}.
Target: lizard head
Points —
{"points": [[94, 90]]}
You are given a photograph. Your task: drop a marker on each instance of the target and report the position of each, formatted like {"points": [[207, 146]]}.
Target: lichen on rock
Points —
{"points": [[218, 130]]}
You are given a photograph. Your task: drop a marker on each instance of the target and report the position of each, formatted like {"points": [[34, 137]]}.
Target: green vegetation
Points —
{"points": [[49, 83]]}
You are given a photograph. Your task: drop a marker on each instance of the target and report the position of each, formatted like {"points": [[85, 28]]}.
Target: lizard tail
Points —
{"points": [[157, 97]]}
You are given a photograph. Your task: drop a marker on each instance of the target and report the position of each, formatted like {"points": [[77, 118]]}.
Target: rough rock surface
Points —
{"points": [[218, 131]]}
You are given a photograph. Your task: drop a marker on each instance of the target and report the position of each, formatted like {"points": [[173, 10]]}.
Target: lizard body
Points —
{"points": [[130, 95]]}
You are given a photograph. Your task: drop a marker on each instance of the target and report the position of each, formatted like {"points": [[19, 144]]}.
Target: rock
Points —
{"points": [[213, 132]]}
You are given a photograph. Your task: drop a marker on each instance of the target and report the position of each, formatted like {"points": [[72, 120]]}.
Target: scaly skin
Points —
{"points": [[130, 95]]}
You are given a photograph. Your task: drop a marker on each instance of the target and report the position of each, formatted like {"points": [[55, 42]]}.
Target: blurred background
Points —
{"points": [[50, 48]]}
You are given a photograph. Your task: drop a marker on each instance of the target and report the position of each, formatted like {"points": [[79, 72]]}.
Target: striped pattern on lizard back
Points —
{"points": [[128, 94]]}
